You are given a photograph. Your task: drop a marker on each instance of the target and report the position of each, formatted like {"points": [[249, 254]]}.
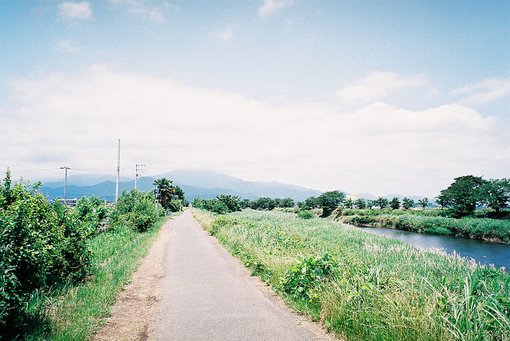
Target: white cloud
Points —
{"points": [[149, 11], [484, 92], [76, 121], [75, 10], [272, 6], [67, 47], [225, 35], [377, 85]]}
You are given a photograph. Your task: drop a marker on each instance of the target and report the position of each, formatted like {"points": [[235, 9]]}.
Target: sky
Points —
{"points": [[384, 97]]}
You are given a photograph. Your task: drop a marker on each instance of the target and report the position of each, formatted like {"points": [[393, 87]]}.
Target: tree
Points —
{"points": [[245, 203], [395, 203], [381, 202], [407, 203], [496, 193], [463, 195], [164, 191], [360, 203], [309, 203], [263, 203], [287, 202], [232, 202], [329, 201], [423, 202], [349, 203], [371, 203]]}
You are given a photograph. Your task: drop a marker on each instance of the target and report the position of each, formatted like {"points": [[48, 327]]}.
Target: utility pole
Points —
{"points": [[65, 168], [118, 175], [138, 168]]}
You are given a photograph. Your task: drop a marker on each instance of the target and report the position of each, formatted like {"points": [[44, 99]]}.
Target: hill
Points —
{"points": [[195, 183]]}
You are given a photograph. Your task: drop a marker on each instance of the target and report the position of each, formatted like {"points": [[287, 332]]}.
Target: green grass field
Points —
{"points": [[362, 286]]}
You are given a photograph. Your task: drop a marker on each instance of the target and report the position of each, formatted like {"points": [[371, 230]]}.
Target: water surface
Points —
{"points": [[483, 252]]}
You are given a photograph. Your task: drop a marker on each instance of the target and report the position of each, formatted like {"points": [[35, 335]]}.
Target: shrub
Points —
{"points": [[40, 244], [306, 214], [136, 209], [301, 279]]}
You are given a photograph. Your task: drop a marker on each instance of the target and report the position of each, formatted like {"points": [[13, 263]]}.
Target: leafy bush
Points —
{"points": [[301, 279], [91, 213], [136, 209], [213, 205], [306, 214], [40, 244]]}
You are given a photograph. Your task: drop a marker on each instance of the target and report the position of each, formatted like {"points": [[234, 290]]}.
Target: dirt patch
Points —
{"points": [[132, 314]]}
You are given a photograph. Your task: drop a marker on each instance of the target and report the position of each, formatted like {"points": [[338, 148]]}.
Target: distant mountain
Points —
{"points": [[84, 180], [194, 183]]}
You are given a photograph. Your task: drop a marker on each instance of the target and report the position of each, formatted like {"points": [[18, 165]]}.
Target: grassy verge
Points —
{"points": [[476, 228], [367, 287], [75, 312]]}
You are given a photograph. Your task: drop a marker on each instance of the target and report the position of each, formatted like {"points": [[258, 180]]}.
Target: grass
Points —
{"points": [[76, 312], [367, 287], [430, 222]]}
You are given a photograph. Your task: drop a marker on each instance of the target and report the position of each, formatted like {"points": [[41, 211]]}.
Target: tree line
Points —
{"points": [[460, 199]]}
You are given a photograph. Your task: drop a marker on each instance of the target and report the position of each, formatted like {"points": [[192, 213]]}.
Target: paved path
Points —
{"points": [[206, 296]]}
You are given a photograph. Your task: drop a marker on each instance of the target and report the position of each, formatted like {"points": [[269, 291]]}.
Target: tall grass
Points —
{"points": [[379, 288], [75, 312], [476, 228]]}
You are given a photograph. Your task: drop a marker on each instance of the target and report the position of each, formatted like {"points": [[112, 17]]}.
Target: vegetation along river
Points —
{"points": [[483, 252]]}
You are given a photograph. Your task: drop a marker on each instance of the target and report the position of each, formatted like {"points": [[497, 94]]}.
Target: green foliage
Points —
{"points": [[164, 192], [329, 201], [263, 203], [407, 203], [40, 245], [301, 280], [371, 203], [91, 213], [213, 205], [135, 209], [360, 204], [381, 202], [233, 202], [379, 289], [395, 203], [423, 202], [309, 203], [306, 214], [463, 195], [349, 203], [496, 193]]}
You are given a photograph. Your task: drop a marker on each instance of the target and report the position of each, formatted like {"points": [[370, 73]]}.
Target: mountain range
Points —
{"points": [[195, 183]]}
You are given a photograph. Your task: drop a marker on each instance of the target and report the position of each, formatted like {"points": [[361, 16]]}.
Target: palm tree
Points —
{"points": [[164, 191]]}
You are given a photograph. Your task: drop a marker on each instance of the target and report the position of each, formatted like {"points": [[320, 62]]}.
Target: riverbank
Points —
{"points": [[362, 286], [486, 229]]}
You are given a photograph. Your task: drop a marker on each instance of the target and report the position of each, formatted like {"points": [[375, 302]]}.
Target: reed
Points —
{"points": [[379, 289]]}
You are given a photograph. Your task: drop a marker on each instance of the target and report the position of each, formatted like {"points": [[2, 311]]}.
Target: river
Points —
{"points": [[483, 252]]}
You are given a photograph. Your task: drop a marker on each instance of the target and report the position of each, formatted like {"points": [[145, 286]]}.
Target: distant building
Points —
{"points": [[69, 202]]}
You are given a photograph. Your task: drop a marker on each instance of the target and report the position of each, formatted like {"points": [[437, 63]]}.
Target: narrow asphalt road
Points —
{"points": [[206, 296]]}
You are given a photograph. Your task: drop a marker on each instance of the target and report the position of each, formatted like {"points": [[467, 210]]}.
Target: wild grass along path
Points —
{"points": [[206, 294]]}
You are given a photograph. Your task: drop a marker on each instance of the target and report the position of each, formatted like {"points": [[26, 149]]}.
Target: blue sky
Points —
{"points": [[363, 96]]}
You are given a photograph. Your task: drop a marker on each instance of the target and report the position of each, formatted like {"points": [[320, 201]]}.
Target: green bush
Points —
{"points": [[136, 209], [306, 214], [301, 279], [41, 244]]}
